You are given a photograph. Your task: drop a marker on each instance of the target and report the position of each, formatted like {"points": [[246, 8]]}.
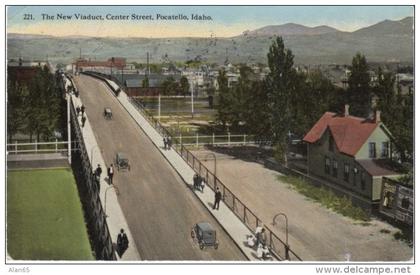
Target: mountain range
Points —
{"points": [[386, 41]]}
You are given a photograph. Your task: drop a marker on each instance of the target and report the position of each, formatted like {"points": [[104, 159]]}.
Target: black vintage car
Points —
{"points": [[205, 235]]}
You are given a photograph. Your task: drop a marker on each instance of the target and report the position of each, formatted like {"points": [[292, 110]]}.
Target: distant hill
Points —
{"points": [[384, 41], [290, 29]]}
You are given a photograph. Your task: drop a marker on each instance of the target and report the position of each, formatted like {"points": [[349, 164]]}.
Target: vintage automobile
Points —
{"points": [[107, 113], [121, 161], [205, 235]]}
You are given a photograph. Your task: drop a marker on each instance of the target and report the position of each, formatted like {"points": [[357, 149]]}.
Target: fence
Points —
{"points": [[37, 147], [277, 246], [214, 140], [88, 186]]}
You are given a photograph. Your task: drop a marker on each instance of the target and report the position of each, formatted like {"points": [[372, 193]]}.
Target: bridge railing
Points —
{"points": [[249, 218]]}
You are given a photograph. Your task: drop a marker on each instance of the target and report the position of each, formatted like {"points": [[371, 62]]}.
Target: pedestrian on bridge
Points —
{"points": [[83, 120], [98, 172], [83, 108], [78, 110], [169, 142], [122, 242], [110, 173], [217, 198], [165, 142]]}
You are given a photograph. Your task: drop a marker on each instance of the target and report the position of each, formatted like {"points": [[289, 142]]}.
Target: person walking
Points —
{"points": [[217, 198], [77, 110], [122, 242], [169, 142], [195, 181], [164, 143], [82, 109], [98, 172], [110, 174], [83, 121]]}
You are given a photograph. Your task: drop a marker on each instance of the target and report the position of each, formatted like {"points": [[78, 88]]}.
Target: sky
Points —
{"points": [[226, 20]]}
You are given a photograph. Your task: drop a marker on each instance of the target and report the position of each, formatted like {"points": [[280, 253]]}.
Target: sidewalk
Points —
{"points": [[108, 194], [227, 219]]}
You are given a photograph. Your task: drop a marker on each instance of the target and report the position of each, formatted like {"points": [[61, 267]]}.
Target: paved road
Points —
{"points": [[158, 206]]}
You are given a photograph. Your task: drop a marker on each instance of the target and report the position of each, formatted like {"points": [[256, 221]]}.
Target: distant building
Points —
{"points": [[24, 71], [83, 64], [352, 153], [397, 201], [134, 83]]}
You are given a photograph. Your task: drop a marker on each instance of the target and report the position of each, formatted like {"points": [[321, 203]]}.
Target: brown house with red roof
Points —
{"points": [[351, 152]]}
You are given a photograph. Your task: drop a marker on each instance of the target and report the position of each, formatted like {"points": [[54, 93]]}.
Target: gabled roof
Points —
{"points": [[349, 132]]}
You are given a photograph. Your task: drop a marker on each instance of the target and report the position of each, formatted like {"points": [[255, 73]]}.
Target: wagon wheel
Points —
{"points": [[201, 245], [192, 233], [129, 167]]}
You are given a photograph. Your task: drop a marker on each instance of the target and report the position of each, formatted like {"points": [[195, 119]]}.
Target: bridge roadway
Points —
{"points": [[159, 208]]}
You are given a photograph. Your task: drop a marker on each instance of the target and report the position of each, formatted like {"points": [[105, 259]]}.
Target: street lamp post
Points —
{"points": [[215, 164], [287, 232]]}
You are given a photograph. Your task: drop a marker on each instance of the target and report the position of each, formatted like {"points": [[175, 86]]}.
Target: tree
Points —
{"points": [[359, 91], [279, 83], [396, 113], [184, 86], [169, 86], [224, 106], [17, 109]]}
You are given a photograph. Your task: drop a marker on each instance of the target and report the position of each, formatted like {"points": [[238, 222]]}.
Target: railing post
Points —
{"points": [[16, 146], [36, 146], [180, 138], [213, 140], [244, 139], [196, 140], [56, 145], [228, 139]]}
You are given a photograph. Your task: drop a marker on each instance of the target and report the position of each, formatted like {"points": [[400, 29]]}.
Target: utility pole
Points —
{"points": [[159, 107], [192, 100]]}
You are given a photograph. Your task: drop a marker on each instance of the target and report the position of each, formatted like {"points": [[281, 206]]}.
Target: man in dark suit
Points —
{"points": [[122, 242], [217, 198], [110, 173]]}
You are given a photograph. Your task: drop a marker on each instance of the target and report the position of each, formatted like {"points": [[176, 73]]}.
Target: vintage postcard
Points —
{"points": [[210, 134]]}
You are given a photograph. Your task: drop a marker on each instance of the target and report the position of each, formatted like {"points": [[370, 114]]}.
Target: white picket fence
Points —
{"points": [[37, 147], [218, 140]]}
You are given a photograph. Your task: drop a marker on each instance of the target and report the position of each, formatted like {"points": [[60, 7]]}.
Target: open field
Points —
{"points": [[44, 216]]}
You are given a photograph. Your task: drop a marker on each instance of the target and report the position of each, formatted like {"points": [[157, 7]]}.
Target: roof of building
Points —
{"points": [[349, 132], [379, 167]]}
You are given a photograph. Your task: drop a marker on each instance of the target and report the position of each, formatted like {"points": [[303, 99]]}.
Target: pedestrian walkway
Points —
{"points": [[108, 194], [233, 226]]}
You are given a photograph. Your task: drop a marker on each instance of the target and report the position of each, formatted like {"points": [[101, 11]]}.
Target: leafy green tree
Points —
{"points": [[359, 91], [17, 109], [170, 86], [224, 106], [280, 84], [184, 86]]}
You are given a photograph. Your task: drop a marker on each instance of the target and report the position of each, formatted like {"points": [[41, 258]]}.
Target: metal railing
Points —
{"points": [[37, 147], [89, 194], [215, 140], [239, 208]]}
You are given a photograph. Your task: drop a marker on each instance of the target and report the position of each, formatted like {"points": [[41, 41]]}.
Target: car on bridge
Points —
{"points": [[205, 235]]}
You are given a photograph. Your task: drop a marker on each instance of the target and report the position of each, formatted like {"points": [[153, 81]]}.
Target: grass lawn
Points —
{"points": [[327, 198], [44, 216]]}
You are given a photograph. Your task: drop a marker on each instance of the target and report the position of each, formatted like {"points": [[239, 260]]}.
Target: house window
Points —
{"points": [[331, 143], [363, 180], [346, 172], [405, 203], [335, 168], [327, 165], [385, 149], [372, 150]]}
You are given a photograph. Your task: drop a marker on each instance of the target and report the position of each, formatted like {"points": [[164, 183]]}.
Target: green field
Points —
{"points": [[44, 216]]}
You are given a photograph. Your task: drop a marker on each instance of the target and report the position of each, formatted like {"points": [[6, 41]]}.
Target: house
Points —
{"points": [[134, 83], [351, 153]]}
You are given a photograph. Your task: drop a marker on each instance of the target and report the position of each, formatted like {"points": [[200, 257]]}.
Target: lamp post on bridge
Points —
{"points": [[287, 232]]}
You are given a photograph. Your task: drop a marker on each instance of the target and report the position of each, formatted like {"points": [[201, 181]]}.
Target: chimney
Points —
{"points": [[346, 110], [377, 116]]}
